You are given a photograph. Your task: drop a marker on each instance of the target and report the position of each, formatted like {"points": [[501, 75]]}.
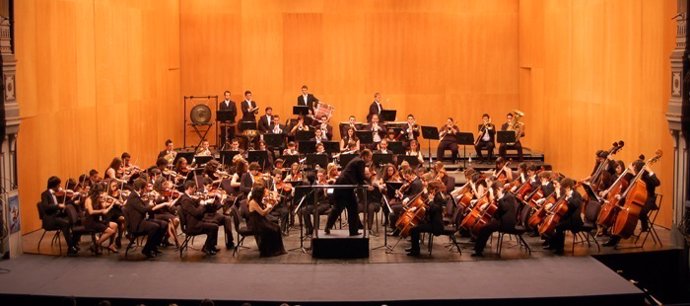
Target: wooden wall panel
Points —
{"points": [[95, 78], [457, 58], [598, 72]]}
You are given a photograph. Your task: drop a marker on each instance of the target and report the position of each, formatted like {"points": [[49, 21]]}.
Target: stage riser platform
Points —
{"points": [[339, 245]]}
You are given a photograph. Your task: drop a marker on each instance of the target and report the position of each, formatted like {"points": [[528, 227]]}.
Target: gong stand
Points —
{"points": [[199, 117]]}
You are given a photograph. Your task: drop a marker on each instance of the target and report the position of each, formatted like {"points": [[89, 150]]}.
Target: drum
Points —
{"points": [[323, 109]]}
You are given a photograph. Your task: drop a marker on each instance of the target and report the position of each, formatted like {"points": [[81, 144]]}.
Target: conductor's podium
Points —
{"points": [[339, 244]]}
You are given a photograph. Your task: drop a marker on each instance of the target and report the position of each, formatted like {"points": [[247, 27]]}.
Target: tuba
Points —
{"points": [[517, 126]]}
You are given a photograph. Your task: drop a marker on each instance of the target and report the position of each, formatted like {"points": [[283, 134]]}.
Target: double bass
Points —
{"points": [[635, 197]]}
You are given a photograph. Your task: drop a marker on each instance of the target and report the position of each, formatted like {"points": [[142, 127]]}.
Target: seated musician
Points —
{"points": [[512, 125], [94, 177], [350, 141], [487, 134], [391, 136], [127, 166], [322, 124], [390, 174], [267, 233], [433, 218], [139, 206], [502, 172], [97, 207], [570, 221], [195, 220], [204, 149], [503, 219], [291, 149], [299, 125], [320, 149], [214, 211], [53, 214], [116, 214], [278, 164], [115, 171], [319, 136], [169, 154], [652, 182], [376, 129], [280, 211], [448, 140], [246, 182], [182, 168], [383, 147], [375, 189], [415, 151], [410, 132], [269, 153], [165, 209], [412, 186], [311, 209], [241, 167], [351, 123]]}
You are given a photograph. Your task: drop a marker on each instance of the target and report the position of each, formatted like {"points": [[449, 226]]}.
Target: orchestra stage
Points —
{"points": [[444, 277]]}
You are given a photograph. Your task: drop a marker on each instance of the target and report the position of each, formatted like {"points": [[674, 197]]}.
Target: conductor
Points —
{"points": [[353, 174]]}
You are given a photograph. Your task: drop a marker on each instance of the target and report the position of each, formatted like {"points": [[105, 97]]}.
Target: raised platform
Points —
{"points": [[544, 281], [339, 244]]}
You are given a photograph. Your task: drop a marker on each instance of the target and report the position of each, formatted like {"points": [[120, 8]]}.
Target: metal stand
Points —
{"points": [[301, 227], [388, 248]]}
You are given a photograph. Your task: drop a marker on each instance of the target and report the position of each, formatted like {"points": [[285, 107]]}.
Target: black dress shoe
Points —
{"points": [[610, 243], [545, 243], [408, 250], [558, 251], [148, 254], [413, 253], [548, 247], [477, 254], [215, 249], [72, 252], [327, 231], [209, 252], [230, 245], [355, 233]]}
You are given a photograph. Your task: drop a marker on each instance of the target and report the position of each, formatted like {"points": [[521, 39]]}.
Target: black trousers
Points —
{"points": [[221, 220], [398, 210], [557, 241], [446, 144], [485, 145], [372, 209], [307, 213], [226, 136], [62, 224], [504, 147], [416, 232], [484, 234], [345, 199], [154, 234]]}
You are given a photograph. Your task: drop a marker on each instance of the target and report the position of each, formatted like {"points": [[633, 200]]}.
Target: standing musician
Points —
{"points": [[448, 140], [138, 206], [410, 132], [503, 219], [352, 174], [194, 213], [412, 186], [485, 139], [651, 182], [204, 149], [249, 107], [376, 129], [53, 214], [433, 219], [518, 127], [375, 108], [227, 131], [570, 221], [169, 154], [307, 99], [266, 121]]}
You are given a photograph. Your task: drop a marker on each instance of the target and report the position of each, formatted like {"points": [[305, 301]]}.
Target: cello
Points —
{"points": [[609, 209], [559, 209], [634, 199], [413, 215], [595, 180]]}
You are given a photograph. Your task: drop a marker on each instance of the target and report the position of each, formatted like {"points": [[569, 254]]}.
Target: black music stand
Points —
{"points": [[365, 137], [259, 156], [289, 160], [188, 156], [274, 140], [227, 156], [430, 133], [331, 147], [300, 110], [387, 115], [590, 192], [247, 125], [505, 137], [302, 193], [317, 159], [202, 160], [464, 139], [224, 116], [411, 159], [306, 147], [396, 146], [386, 206], [304, 135], [382, 159], [345, 159]]}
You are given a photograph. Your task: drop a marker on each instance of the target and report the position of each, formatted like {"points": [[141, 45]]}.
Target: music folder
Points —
{"points": [[300, 110], [289, 160], [317, 159], [202, 160], [274, 140]]}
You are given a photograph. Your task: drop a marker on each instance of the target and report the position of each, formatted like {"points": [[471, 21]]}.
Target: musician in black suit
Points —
{"points": [[410, 132], [486, 138], [412, 187], [449, 140], [249, 108], [193, 213], [375, 108], [504, 218], [169, 153], [266, 121], [570, 221], [652, 182], [511, 124], [137, 208], [307, 99], [54, 217], [228, 106], [433, 218], [352, 174], [247, 181]]}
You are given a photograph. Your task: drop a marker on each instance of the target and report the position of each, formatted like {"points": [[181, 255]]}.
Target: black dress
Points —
{"points": [[267, 235]]}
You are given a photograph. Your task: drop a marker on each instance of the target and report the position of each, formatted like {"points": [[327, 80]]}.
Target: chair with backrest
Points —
{"points": [[653, 213], [188, 235], [131, 235], [242, 231], [46, 229], [78, 228], [586, 233]]}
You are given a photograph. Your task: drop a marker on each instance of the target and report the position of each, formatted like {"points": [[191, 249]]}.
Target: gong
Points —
{"points": [[200, 114]]}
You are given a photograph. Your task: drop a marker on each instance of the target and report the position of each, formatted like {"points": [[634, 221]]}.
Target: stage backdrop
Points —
{"points": [[94, 78]]}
